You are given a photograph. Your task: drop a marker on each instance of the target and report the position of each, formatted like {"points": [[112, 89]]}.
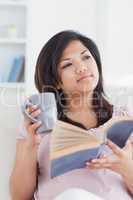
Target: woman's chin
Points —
{"points": [[87, 85], [81, 89], [86, 88]]}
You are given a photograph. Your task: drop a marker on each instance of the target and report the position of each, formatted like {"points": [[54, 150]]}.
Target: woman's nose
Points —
{"points": [[81, 68]]}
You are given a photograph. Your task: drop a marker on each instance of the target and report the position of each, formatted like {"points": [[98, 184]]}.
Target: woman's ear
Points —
{"points": [[58, 86]]}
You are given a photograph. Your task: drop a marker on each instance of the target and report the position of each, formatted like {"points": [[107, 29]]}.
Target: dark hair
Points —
{"points": [[47, 77]]}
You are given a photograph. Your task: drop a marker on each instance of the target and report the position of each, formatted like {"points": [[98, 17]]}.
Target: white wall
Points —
{"points": [[117, 31]]}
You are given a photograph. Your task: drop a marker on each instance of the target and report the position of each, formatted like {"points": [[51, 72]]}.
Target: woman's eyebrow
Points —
{"points": [[84, 51], [66, 59]]}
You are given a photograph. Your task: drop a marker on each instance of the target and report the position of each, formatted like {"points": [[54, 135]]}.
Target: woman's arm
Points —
{"points": [[24, 175], [128, 177]]}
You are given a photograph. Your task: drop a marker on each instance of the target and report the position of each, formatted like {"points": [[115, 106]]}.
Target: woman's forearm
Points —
{"points": [[130, 187], [128, 177], [23, 178]]}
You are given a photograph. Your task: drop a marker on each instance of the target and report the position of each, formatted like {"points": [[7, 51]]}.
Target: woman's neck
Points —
{"points": [[81, 110], [80, 103]]}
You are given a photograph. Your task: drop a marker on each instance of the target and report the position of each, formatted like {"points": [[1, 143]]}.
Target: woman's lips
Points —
{"points": [[85, 77]]}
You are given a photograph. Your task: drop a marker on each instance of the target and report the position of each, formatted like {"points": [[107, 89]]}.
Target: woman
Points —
{"points": [[69, 65]]}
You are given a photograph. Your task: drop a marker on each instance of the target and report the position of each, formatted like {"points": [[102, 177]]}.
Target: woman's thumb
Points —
{"points": [[128, 145]]}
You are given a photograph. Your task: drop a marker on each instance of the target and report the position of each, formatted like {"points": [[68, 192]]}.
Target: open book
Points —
{"points": [[72, 146]]}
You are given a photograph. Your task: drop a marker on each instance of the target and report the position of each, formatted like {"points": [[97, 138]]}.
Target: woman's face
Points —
{"points": [[77, 69]]}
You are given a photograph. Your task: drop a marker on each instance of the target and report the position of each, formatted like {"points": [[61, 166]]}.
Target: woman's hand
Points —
{"points": [[121, 160], [33, 139]]}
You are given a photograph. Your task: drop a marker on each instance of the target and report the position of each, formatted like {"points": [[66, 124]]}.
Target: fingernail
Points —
{"points": [[35, 106], [38, 111], [87, 163], [94, 161]]}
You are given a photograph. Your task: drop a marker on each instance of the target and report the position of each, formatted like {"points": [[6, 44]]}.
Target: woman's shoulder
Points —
{"points": [[119, 111], [122, 110]]}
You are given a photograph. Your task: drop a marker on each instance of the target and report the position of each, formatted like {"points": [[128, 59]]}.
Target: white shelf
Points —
{"points": [[13, 41], [12, 85], [12, 45], [13, 3]]}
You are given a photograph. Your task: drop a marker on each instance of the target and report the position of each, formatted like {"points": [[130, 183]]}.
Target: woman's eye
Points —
{"points": [[86, 57], [67, 65]]}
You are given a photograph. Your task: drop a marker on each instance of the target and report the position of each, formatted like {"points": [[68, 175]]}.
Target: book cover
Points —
{"points": [[72, 146], [16, 69], [20, 75]]}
